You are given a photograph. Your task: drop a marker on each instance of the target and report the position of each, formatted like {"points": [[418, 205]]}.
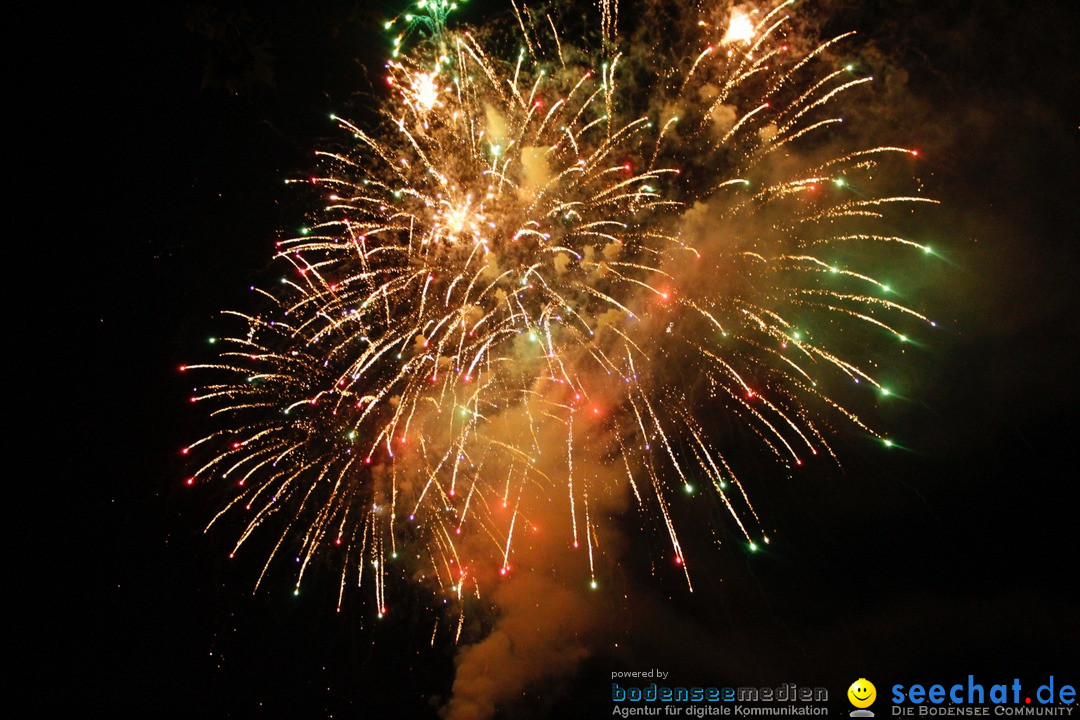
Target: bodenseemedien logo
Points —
{"points": [[861, 694]]}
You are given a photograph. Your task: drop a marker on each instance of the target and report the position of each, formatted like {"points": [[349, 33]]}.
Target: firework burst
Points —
{"points": [[524, 265]]}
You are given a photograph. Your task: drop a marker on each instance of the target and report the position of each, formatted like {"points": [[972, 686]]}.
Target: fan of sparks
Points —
{"points": [[507, 289]]}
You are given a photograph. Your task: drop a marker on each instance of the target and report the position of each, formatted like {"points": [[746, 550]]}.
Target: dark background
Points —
{"points": [[159, 138]]}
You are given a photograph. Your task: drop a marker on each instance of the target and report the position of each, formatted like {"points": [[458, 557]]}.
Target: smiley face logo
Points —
{"points": [[862, 693]]}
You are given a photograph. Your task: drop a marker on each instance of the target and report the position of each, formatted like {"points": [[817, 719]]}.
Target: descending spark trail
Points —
{"points": [[516, 270]]}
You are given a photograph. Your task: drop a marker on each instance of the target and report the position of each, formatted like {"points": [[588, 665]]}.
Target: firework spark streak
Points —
{"points": [[515, 269]]}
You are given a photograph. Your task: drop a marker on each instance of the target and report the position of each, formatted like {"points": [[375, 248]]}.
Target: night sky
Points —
{"points": [[160, 138]]}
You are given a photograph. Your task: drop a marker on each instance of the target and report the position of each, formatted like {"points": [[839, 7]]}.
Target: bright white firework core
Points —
{"points": [[740, 29], [425, 90]]}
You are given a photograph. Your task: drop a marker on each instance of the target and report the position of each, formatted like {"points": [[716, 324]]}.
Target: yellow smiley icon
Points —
{"points": [[862, 693]]}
